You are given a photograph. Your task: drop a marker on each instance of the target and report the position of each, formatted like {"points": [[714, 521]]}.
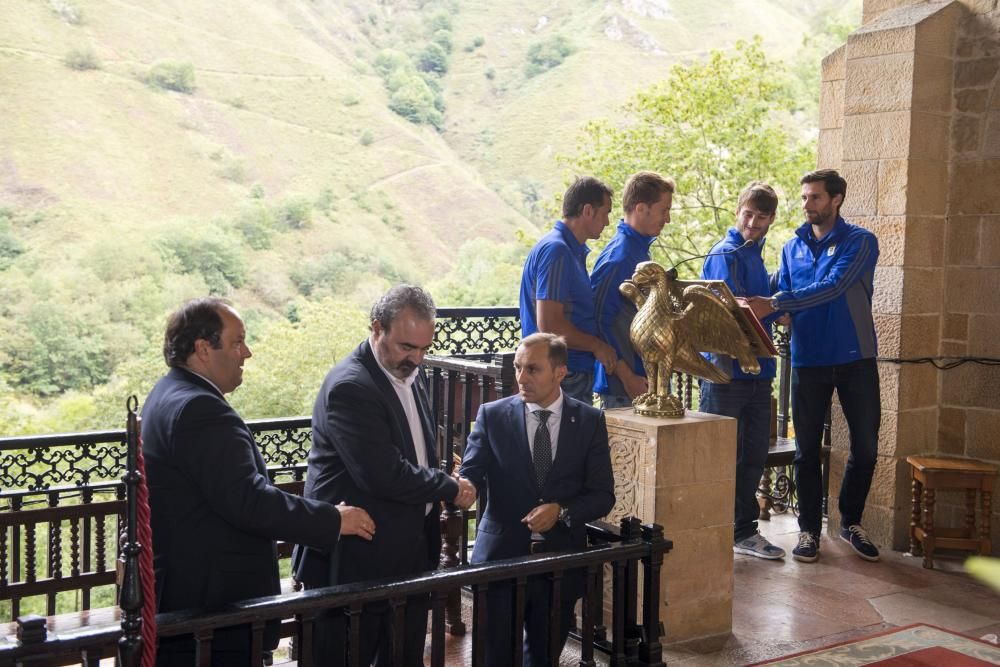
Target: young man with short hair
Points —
{"points": [[646, 201], [736, 259]]}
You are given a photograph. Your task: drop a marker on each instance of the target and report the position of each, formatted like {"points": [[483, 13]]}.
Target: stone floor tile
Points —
{"points": [[906, 608], [829, 603], [965, 594], [779, 621]]}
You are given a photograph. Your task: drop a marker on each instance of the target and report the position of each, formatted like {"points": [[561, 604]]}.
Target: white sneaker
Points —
{"points": [[757, 545]]}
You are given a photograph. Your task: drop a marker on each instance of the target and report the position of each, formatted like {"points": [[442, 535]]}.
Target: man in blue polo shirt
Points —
{"points": [[555, 288], [825, 282], [646, 202], [737, 260]]}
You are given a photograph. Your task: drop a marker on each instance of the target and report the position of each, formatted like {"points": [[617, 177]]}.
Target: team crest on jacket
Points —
{"points": [[832, 249]]}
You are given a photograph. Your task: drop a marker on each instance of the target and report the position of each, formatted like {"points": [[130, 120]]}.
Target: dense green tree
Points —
{"points": [[485, 274], [208, 251], [544, 55], [414, 95], [713, 126], [416, 101], [290, 359], [433, 58], [55, 350], [170, 75], [10, 246]]}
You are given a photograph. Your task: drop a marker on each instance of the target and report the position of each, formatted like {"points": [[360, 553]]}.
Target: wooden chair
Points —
{"points": [[932, 473]]}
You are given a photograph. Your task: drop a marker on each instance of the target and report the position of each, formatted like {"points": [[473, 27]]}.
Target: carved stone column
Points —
{"points": [[681, 474]]}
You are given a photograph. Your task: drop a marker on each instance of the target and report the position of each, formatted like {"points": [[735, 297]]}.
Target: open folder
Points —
{"points": [[759, 339]]}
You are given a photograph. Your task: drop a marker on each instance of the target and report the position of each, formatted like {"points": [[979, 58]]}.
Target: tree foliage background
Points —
{"points": [[712, 126]]}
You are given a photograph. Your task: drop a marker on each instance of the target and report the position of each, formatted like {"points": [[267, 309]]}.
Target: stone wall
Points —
{"points": [[910, 114], [969, 421]]}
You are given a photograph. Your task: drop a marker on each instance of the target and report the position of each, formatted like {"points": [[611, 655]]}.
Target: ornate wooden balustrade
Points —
{"points": [[631, 639]]}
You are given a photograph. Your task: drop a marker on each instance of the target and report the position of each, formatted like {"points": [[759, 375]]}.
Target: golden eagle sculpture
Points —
{"points": [[675, 322]]}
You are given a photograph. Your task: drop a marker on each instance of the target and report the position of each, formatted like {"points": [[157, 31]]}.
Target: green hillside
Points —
{"points": [[152, 151]]}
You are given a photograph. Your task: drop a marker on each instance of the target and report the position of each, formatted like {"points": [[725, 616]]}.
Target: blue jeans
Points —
{"points": [[857, 388], [580, 386], [749, 402]]}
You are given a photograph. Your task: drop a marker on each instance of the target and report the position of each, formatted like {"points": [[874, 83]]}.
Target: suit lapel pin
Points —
{"points": [[572, 420]]}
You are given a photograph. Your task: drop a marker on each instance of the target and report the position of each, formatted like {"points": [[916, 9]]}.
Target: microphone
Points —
{"points": [[746, 244]]}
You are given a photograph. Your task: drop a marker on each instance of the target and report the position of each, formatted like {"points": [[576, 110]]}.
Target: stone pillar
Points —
{"points": [[970, 402], [886, 114], [681, 474]]}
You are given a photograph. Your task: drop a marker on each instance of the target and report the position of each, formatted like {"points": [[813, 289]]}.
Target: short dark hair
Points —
{"points": [[760, 195], [558, 353], [399, 298], [582, 191], [832, 181], [196, 319], [645, 187]]}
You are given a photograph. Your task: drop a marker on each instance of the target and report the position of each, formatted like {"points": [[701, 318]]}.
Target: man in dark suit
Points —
{"points": [[544, 461], [215, 514], [373, 446]]}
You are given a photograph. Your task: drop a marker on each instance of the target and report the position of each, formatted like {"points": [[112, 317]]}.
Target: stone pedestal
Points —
{"points": [[681, 474]]}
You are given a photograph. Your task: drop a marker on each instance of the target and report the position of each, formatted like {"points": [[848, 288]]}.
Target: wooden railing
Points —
{"points": [[628, 639]]}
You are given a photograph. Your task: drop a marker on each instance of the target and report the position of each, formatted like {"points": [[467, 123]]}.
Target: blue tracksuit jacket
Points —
{"points": [[827, 287], [743, 271]]}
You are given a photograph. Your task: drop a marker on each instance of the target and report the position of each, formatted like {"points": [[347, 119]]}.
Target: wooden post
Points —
{"points": [[650, 649], [130, 597]]}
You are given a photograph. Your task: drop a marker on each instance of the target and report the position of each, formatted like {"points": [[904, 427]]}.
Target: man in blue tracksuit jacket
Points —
{"points": [[646, 202], [825, 282], [736, 259]]}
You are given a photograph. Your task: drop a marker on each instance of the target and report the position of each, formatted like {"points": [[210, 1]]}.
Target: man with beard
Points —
{"points": [[373, 447], [825, 282]]}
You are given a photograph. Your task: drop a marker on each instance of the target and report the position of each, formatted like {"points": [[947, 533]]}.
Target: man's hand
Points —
{"points": [[466, 493], [355, 521], [634, 383], [542, 518], [761, 306], [606, 355], [785, 320]]}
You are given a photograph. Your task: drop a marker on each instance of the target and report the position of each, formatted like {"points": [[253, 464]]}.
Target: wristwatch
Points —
{"points": [[564, 514], [774, 303]]}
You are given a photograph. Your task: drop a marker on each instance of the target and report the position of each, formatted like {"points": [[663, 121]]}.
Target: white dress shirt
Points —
{"points": [[404, 390], [531, 422]]}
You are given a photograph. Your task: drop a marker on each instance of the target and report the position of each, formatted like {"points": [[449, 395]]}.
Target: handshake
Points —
{"points": [[466, 492]]}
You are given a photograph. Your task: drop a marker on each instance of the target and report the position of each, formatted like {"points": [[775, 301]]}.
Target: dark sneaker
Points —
{"points": [[807, 550], [856, 536], [757, 545]]}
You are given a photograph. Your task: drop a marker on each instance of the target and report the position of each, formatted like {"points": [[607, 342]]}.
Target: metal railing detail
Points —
{"points": [[490, 330]]}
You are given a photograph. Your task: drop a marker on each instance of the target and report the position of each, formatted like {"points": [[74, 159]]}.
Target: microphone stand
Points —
{"points": [[672, 271]]}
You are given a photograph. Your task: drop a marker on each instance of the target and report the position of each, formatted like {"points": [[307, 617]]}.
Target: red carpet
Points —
{"points": [[909, 646]]}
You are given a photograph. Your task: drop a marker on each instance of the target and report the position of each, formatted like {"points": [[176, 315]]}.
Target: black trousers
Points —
{"points": [[500, 633], [377, 635]]}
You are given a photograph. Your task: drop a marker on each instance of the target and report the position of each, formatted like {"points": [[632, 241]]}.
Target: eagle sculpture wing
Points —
{"points": [[689, 361], [718, 330]]}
